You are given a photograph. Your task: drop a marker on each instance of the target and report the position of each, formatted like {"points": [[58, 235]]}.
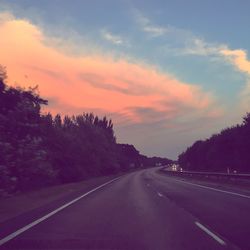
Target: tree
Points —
{"points": [[22, 154], [41, 149], [227, 150]]}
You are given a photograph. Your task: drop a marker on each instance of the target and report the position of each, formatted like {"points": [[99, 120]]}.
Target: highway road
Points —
{"points": [[141, 210]]}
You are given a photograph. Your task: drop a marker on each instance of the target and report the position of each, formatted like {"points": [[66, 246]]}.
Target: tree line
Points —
{"points": [[226, 151], [38, 149]]}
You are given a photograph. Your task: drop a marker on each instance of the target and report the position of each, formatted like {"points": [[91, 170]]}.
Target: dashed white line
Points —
{"points": [[215, 189], [214, 236], [161, 195], [32, 224]]}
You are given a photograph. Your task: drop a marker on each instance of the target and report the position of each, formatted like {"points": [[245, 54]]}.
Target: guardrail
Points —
{"points": [[208, 175]]}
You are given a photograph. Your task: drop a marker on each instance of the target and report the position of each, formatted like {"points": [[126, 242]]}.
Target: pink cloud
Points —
{"points": [[135, 91]]}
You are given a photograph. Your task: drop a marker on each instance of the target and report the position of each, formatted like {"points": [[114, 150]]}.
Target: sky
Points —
{"points": [[167, 73]]}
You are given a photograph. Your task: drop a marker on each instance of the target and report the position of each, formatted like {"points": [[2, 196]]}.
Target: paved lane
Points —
{"points": [[144, 210], [226, 213]]}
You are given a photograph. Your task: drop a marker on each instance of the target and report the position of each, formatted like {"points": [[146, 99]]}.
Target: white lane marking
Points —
{"points": [[161, 195], [32, 224], [215, 189], [214, 236]]}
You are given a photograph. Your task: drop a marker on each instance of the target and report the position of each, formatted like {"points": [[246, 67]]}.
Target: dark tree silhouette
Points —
{"points": [[39, 149], [227, 151]]}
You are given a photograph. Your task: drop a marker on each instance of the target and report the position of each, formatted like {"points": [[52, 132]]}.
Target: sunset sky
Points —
{"points": [[166, 72]]}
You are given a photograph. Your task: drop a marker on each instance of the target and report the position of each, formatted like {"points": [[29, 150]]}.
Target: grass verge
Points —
{"points": [[21, 203]]}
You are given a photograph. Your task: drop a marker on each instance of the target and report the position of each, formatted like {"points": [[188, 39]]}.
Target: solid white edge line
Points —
{"points": [[32, 224], [214, 236], [215, 189]]}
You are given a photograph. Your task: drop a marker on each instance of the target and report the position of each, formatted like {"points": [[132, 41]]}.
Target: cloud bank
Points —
{"points": [[135, 92]]}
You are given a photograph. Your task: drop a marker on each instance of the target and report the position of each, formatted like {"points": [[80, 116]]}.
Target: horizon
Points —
{"points": [[166, 73]]}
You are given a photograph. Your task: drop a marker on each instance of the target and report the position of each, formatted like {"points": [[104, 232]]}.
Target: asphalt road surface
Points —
{"points": [[141, 210]]}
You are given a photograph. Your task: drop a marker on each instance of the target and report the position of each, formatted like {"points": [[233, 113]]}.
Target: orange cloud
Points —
{"points": [[238, 58], [135, 92], [240, 61]]}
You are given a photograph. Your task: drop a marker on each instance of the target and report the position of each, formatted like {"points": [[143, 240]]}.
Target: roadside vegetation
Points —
{"points": [[227, 151], [38, 149]]}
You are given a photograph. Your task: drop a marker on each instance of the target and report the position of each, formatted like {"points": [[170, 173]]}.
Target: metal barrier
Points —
{"points": [[208, 175]]}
